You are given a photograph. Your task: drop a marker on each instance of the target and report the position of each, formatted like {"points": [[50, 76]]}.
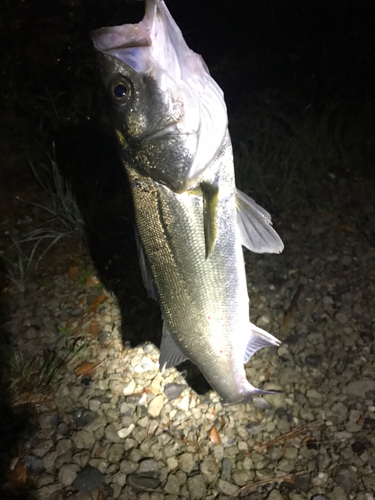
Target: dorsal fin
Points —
{"points": [[255, 226]]}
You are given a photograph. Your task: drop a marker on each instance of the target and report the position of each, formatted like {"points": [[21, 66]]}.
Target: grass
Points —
{"points": [[28, 249], [284, 149], [35, 374]]}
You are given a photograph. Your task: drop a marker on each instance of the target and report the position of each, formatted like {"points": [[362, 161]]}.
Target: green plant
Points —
{"points": [[63, 207], [33, 373], [282, 152], [18, 263]]}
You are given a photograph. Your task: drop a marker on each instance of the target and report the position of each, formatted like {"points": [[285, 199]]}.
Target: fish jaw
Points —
{"points": [[173, 101]]}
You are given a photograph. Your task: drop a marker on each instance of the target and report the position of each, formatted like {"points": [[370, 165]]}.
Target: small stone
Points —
{"points": [[83, 439], [42, 448], [49, 420], [347, 479], [34, 465], [184, 404], [172, 463], [63, 446], [275, 453], [62, 428], [275, 495], [156, 405], [142, 483], [314, 360], [196, 487], [129, 388], [241, 477], [115, 453], [209, 470], [226, 468], [315, 398], [226, 487], [253, 428], [338, 494], [302, 483], [261, 404], [125, 431], [173, 391], [67, 474], [172, 485], [148, 467], [81, 458], [145, 365], [127, 467], [88, 479], [186, 462], [361, 388], [342, 318], [369, 482], [111, 433]]}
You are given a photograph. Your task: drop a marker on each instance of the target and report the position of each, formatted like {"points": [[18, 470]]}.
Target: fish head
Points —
{"points": [[168, 113]]}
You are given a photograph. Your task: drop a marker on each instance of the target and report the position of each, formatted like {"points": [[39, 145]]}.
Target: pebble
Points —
{"points": [[88, 479], [196, 487], [172, 485], [173, 390], [130, 433], [142, 483], [156, 405], [67, 474], [186, 462], [226, 487]]}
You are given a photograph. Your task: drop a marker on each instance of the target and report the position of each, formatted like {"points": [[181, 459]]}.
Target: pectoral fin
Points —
{"points": [[170, 353], [255, 224], [210, 214], [258, 338]]}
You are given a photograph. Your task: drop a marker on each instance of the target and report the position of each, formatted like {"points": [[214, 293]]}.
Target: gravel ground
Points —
{"points": [[115, 428]]}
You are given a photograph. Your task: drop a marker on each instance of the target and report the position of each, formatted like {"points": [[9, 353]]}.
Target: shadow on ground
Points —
{"points": [[103, 195]]}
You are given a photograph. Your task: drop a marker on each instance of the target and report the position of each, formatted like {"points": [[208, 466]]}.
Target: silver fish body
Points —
{"points": [[171, 123]]}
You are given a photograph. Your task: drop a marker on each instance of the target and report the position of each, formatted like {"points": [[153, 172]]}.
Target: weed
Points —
{"points": [[64, 331], [19, 264], [63, 207], [283, 151]]}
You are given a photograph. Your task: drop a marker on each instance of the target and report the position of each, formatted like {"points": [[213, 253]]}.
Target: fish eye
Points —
{"points": [[120, 90]]}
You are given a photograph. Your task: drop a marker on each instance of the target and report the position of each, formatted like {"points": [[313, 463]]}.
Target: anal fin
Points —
{"points": [[258, 339], [255, 226]]}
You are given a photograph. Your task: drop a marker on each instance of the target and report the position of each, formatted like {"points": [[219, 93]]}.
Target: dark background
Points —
{"points": [[303, 54]]}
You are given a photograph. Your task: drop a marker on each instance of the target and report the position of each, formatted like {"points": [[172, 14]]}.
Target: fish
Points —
{"points": [[171, 124]]}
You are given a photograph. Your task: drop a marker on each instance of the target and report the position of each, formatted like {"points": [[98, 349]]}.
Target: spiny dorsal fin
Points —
{"points": [[255, 226], [210, 214], [258, 338]]}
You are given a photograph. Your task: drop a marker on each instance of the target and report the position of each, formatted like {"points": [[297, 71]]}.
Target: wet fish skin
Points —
{"points": [[191, 220]]}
